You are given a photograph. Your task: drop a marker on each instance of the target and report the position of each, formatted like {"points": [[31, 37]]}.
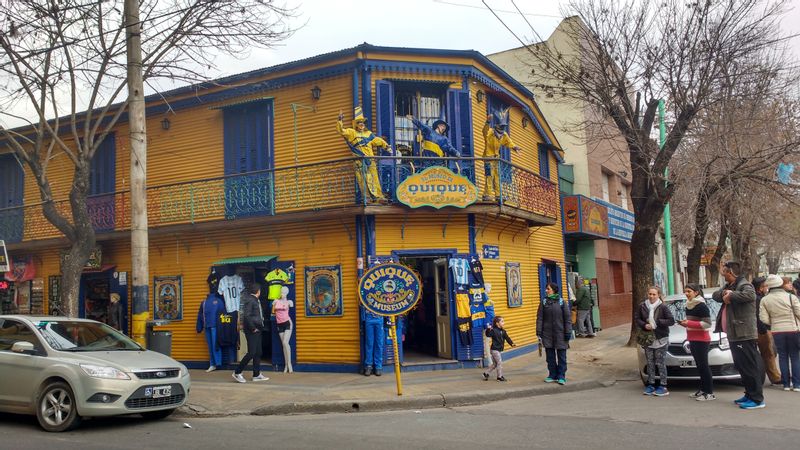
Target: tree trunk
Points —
{"points": [[82, 244], [697, 250], [642, 245], [773, 261], [713, 268]]}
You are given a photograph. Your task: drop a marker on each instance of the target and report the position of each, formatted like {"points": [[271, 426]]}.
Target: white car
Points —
{"points": [[680, 364], [63, 369]]}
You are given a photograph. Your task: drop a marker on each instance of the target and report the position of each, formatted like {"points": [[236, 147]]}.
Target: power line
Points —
{"points": [[462, 5]]}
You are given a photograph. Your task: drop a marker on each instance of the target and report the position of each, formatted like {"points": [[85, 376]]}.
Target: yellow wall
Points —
{"points": [[334, 339]]}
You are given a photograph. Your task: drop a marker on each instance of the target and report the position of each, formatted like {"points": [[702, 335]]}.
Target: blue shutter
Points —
{"points": [[11, 195], [102, 184], [384, 102], [385, 110], [544, 161], [557, 280], [465, 123], [248, 131], [542, 280], [452, 114]]}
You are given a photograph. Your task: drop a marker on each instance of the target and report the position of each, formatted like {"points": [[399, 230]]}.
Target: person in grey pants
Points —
{"points": [[584, 304]]}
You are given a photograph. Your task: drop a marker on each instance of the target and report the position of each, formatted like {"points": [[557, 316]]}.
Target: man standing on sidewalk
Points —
{"points": [[253, 325], [765, 344], [583, 303], [737, 318]]}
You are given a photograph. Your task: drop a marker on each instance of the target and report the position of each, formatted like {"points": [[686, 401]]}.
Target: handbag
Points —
{"points": [[645, 338]]}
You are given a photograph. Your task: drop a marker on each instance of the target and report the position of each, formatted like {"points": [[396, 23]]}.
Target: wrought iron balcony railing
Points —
{"points": [[307, 187]]}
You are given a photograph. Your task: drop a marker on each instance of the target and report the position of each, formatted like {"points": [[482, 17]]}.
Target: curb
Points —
{"points": [[399, 403]]}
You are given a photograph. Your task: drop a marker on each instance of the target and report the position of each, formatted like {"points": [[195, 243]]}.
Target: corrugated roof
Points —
{"points": [[244, 260]]}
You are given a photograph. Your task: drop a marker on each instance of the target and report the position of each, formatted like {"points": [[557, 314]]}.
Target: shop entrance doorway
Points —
{"points": [[428, 327], [94, 295]]}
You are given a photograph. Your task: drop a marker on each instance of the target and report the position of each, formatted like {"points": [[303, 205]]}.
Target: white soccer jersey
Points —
{"points": [[231, 287], [460, 268]]}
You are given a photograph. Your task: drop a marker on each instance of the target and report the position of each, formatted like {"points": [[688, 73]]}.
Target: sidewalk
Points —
{"points": [[592, 363]]}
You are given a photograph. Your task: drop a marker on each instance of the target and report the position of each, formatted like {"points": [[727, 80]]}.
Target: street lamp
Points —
{"points": [[316, 93]]}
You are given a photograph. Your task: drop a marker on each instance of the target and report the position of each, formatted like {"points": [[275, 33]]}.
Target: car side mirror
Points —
{"points": [[23, 347]]}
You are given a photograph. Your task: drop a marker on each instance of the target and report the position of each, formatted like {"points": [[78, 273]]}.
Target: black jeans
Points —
{"points": [[750, 366], [253, 352], [700, 354]]}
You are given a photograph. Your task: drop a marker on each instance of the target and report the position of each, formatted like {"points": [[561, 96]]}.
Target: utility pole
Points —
{"points": [[138, 142], [662, 134]]}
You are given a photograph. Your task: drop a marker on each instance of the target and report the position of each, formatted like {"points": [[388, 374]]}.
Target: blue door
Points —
{"points": [[11, 190], [248, 146], [102, 184]]}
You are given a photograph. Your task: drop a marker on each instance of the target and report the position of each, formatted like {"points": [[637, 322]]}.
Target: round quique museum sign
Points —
{"points": [[389, 289]]}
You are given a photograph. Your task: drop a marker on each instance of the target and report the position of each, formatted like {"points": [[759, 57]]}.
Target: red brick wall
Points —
{"points": [[615, 309]]}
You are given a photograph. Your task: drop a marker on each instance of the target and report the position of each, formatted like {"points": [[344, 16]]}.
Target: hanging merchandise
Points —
{"points": [[22, 269], [464, 316], [460, 268], [231, 287], [275, 279], [476, 270]]}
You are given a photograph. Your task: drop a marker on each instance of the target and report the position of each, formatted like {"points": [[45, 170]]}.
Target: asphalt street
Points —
{"points": [[617, 417]]}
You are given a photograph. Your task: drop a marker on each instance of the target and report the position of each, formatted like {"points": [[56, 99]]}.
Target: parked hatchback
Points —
{"points": [[63, 369], [680, 364]]}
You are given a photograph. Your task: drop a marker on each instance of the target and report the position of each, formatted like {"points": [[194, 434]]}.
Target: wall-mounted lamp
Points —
{"points": [[480, 96], [524, 122], [165, 124], [316, 93]]}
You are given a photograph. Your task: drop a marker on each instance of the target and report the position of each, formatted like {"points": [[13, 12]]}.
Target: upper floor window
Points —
{"points": [[11, 195], [544, 162], [102, 169], [424, 102], [623, 196], [605, 182]]}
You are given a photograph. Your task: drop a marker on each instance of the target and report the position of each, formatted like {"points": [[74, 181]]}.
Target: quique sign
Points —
{"points": [[389, 289], [437, 187]]}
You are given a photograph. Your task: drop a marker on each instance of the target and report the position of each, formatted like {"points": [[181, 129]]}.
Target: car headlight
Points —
{"points": [[104, 372], [724, 344]]}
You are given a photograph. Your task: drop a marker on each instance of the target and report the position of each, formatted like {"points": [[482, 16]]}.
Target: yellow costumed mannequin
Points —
{"points": [[364, 143], [495, 138]]}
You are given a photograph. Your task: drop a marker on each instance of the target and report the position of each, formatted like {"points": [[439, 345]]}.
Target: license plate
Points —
{"points": [[158, 391], [687, 363]]}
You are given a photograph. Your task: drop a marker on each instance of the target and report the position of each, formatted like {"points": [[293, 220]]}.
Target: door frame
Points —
{"points": [[433, 253]]}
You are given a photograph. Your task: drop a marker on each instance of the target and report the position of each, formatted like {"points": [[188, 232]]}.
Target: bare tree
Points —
{"points": [[65, 61], [635, 53]]}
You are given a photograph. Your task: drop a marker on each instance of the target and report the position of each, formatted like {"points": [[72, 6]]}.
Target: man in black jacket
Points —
{"points": [[737, 318], [252, 318]]}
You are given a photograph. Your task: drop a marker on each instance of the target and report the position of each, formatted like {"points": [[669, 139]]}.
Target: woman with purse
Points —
{"points": [[780, 310], [697, 324], [653, 320]]}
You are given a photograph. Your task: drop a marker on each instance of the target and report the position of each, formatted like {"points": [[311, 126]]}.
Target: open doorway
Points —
{"points": [[428, 326]]}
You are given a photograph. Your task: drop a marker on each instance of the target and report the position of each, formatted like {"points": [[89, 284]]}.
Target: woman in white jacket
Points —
{"points": [[780, 310]]}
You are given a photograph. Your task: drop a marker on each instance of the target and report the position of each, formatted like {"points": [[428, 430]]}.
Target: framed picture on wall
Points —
{"points": [[168, 298], [513, 285], [324, 291]]}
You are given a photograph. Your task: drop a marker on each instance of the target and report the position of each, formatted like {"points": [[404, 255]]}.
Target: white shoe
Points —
{"points": [[260, 377], [211, 368], [238, 377], [797, 389]]}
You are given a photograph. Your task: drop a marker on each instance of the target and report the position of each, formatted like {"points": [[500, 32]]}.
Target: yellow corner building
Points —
{"points": [[249, 174]]}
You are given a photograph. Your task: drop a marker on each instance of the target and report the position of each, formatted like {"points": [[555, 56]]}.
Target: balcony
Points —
{"points": [[329, 186]]}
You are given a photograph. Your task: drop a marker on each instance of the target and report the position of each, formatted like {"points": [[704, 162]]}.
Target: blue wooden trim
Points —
{"points": [[425, 252], [355, 88], [473, 246], [370, 225], [449, 365]]}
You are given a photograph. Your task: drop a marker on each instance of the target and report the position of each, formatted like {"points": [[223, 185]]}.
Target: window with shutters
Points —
{"points": [[101, 203], [422, 101], [248, 148], [11, 198]]}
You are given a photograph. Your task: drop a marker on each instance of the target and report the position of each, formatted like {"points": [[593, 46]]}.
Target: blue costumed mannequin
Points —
{"points": [[374, 340]]}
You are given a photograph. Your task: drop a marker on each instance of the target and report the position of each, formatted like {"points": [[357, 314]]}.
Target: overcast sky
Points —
{"points": [[330, 25]]}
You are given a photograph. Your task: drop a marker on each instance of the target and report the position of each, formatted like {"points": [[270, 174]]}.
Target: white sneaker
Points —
{"points": [[211, 368], [696, 394], [797, 389], [706, 397], [238, 377], [260, 377]]}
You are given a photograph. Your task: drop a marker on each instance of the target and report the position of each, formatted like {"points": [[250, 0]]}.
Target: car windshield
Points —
{"points": [[677, 306], [79, 336]]}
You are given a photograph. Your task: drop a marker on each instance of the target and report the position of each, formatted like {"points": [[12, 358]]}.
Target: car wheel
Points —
{"points": [[157, 415], [56, 409]]}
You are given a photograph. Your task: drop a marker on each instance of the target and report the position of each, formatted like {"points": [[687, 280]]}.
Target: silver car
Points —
{"points": [[63, 369], [680, 364]]}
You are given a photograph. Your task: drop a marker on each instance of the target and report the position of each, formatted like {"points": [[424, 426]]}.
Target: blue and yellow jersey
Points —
{"points": [[362, 143], [494, 142]]}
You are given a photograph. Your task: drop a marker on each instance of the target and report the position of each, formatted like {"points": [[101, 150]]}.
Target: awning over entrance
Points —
{"points": [[244, 260]]}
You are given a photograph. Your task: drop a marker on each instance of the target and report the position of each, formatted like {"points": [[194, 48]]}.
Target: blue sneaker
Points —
{"points": [[661, 391], [739, 401], [549, 380], [649, 389], [749, 404], [562, 381]]}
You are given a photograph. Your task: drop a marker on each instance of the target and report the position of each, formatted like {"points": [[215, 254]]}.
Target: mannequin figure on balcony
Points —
{"points": [[364, 143], [495, 137], [434, 139]]}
